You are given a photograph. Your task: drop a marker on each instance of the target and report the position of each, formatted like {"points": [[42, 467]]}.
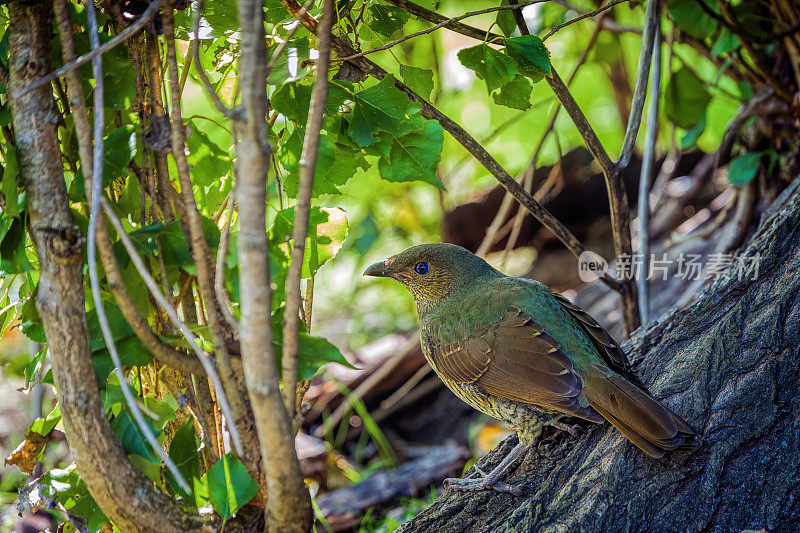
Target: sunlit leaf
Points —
{"points": [[184, 453], [230, 486], [515, 94], [495, 68], [381, 107], [386, 19], [419, 79], [415, 156], [531, 55], [67, 487]]}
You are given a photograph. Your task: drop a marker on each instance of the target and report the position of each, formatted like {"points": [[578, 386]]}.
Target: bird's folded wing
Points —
{"points": [[516, 360], [608, 348]]}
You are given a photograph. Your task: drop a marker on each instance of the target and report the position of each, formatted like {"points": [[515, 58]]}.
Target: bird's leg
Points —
{"points": [[558, 424], [492, 479]]}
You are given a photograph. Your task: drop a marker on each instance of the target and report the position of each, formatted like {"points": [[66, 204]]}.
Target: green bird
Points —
{"points": [[511, 348]]}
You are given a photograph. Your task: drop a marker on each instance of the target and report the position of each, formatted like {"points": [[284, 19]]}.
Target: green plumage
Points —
{"points": [[512, 348]]}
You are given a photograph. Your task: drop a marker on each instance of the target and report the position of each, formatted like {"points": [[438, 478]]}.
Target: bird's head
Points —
{"points": [[431, 272]]}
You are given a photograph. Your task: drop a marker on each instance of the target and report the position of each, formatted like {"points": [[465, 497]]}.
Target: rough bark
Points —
{"points": [[124, 493], [730, 363]]}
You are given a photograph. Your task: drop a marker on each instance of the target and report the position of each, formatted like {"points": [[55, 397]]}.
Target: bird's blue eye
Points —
{"points": [[421, 268]]}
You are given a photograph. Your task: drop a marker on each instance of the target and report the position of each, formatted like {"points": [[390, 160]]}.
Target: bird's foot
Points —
{"points": [[482, 483]]}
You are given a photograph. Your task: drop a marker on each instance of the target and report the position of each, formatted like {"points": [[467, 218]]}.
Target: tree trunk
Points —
{"points": [[729, 363]]}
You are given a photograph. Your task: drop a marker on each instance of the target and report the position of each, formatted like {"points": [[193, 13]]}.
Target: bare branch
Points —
{"points": [[215, 99], [131, 30], [288, 502], [648, 161], [601, 9], [441, 25], [308, 165], [607, 24], [652, 19], [219, 278], [436, 18]]}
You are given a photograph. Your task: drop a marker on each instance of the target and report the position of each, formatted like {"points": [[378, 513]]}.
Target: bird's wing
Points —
{"points": [[608, 348], [515, 360]]}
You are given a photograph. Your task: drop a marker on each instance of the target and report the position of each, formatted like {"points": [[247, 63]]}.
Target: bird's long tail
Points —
{"points": [[648, 424]]}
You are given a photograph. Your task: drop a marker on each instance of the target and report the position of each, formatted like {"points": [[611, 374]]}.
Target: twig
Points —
{"points": [[151, 284], [215, 99], [652, 20], [288, 503], [648, 161], [219, 278], [607, 24], [140, 23], [276, 55], [522, 24], [308, 165], [442, 25], [96, 193], [436, 18], [597, 11]]}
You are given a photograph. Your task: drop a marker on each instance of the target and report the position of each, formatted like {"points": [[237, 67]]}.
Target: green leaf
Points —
{"points": [[183, 452], [118, 150], [515, 94], [691, 18], [689, 139], [35, 365], [119, 326], [222, 16], [67, 487], [209, 161], [312, 352], [381, 107], [292, 100], [10, 184], [327, 229], [291, 64], [132, 439], [494, 67], [415, 156], [505, 20], [386, 20], [531, 54], [743, 168], [726, 42], [336, 163], [230, 486], [419, 79], [43, 426], [686, 98]]}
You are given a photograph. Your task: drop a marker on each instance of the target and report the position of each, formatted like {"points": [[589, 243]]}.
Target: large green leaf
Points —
{"points": [[415, 156], [505, 20], [327, 229], [209, 161], [419, 79], [183, 452], [743, 168], [495, 68], [131, 437], [531, 55], [67, 487], [385, 19], [229, 486], [381, 107], [686, 98], [515, 94], [691, 18], [292, 100]]}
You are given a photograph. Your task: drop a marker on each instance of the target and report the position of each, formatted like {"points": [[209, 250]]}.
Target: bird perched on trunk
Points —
{"points": [[511, 348]]}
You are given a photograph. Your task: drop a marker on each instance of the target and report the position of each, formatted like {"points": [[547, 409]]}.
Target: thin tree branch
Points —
{"points": [[652, 19], [607, 24], [522, 24], [288, 502], [96, 193], [450, 24], [161, 351], [597, 11], [648, 161], [219, 278], [140, 23], [215, 99], [441, 25], [308, 165], [277, 53]]}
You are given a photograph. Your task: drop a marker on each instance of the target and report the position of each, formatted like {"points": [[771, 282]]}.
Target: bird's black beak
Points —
{"points": [[378, 269]]}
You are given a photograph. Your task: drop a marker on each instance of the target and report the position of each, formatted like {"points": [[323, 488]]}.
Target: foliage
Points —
{"points": [[376, 189]]}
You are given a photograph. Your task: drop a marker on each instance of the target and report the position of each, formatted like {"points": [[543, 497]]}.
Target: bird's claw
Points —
{"points": [[484, 483]]}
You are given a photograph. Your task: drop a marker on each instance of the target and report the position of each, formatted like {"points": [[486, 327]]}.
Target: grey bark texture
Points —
{"points": [[729, 363]]}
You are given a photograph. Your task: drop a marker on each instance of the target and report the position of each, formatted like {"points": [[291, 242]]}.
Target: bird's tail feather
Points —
{"points": [[652, 427]]}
